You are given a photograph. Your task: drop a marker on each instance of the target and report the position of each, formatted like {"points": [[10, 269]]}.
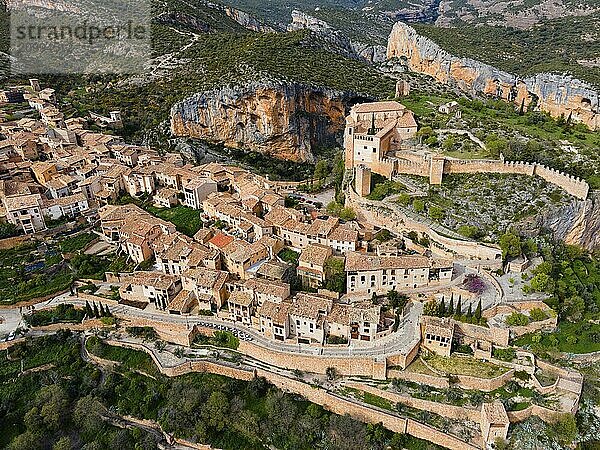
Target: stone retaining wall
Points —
{"points": [[374, 213], [442, 409]]}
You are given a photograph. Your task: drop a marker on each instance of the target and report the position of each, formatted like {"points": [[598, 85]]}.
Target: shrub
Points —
{"points": [[537, 315], [505, 354], [517, 319]]}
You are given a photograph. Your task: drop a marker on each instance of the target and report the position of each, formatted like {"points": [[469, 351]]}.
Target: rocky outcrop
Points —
{"points": [[283, 120], [577, 223], [247, 21], [337, 39], [556, 94]]}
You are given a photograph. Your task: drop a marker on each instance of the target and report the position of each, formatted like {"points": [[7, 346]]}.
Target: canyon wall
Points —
{"points": [[556, 94], [283, 120], [337, 39]]}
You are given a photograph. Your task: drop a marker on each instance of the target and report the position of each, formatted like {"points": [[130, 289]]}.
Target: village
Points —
{"points": [[302, 290]]}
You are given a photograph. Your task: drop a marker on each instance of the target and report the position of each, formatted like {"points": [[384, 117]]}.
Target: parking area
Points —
{"points": [[242, 335]]}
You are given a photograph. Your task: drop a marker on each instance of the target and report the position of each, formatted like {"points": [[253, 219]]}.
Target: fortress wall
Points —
{"points": [[532, 327], [335, 403], [547, 415], [573, 185], [497, 336], [421, 378], [412, 168], [434, 169], [452, 166], [508, 308]]}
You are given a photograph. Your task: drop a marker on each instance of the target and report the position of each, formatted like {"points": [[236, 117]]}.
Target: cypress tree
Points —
{"points": [[459, 307], [442, 308], [102, 312], [470, 310], [107, 311], [96, 313], [478, 310], [88, 309], [522, 108], [451, 307]]}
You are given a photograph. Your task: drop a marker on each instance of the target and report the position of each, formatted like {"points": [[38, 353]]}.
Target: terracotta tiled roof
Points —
{"points": [[356, 261]]}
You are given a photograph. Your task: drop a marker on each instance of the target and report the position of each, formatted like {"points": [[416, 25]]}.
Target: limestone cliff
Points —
{"points": [[284, 120], [556, 94], [337, 39], [577, 223]]}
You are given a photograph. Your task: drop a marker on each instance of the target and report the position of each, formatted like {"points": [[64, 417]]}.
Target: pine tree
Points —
{"points": [[478, 311], [102, 312], [442, 308], [88, 309], [470, 310], [451, 307], [459, 307], [96, 313]]}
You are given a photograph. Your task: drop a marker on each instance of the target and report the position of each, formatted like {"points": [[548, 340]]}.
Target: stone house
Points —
{"points": [[242, 307], [197, 190], [69, 206], [374, 130], [165, 198], [274, 320], [311, 265], [208, 285], [150, 287], [494, 422], [307, 317], [25, 211], [437, 334], [369, 273]]}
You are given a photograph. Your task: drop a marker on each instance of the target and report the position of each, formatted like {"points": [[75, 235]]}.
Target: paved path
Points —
{"points": [[396, 343]]}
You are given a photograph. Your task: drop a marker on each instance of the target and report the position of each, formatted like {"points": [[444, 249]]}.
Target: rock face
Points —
{"points": [[577, 223], [283, 120], [246, 20], [556, 94], [337, 39]]}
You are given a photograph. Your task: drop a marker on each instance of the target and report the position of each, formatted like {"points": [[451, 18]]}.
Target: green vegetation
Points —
{"points": [[483, 206], [28, 272], [504, 354], [223, 339], [186, 220], [61, 314], [77, 242], [572, 279], [134, 360], [455, 365], [531, 137], [72, 399], [289, 256], [53, 408], [146, 333], [8, 230], [335, 275]]}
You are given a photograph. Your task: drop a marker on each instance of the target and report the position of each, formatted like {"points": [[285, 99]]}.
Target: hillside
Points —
{"points": [[199, 46]]}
